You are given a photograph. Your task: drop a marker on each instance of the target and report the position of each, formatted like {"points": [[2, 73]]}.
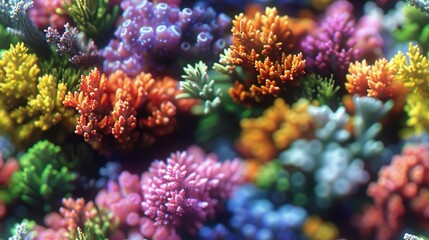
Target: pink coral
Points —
{"points": [[180, 194], [173, 197], [400, 192], [45, 14]]}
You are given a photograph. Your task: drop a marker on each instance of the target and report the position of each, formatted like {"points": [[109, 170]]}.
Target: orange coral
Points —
{"points": [[262, 46], [377, 81], [126, 108], [263, 138]]}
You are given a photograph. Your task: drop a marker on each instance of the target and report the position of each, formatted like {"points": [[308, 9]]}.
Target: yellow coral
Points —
{"points": [[315, 228], [413, 71], [264, 137], [18, 72], [29, 103]]}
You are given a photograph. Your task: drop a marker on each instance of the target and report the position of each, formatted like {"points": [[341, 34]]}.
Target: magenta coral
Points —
{"points": [[173, 198], [180, 194], [400, 192], [330, 48]]}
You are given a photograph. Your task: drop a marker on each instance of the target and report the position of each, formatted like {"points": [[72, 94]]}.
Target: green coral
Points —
{"points": [[92, 17], [44, 177], [320, 89], [30, 103], [198, 85], [415, 28]]}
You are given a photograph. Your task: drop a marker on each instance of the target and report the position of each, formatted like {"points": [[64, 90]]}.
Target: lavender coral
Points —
{"points": [[151, 35]]}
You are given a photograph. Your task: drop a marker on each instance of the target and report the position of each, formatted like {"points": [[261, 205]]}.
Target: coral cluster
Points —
{"points": [[152, 34], [30, 102], [330, 49], [128, 109], [263, 47], [263, 138], [172, 198], [399, 192], [312, 100]]}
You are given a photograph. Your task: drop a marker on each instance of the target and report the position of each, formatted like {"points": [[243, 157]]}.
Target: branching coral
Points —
{"points": [[44, 176], [414, 73], [198, 85], [13, 14], [400, 191], [329, 49], [126, 108], [192, 187], [172, 198], [74, 44], [378, 81], [29, 103], [75, 218], [262, 46], [262, 139], [334, 157], [152, 35]]}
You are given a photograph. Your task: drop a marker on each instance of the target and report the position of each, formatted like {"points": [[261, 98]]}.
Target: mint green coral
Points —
{"points": [[198, 85], [44, 177], [415, 28], [29, 103]]}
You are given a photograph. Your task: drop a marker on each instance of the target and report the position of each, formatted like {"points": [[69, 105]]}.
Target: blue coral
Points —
{"points": [[255, 216]]}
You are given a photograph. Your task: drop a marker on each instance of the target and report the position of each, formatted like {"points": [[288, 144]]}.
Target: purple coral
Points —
{"points": [[180, 194], [154, 34], [330, 49]]}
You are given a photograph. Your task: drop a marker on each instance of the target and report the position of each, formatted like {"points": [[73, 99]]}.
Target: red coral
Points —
{"points": [[126, 108], [400, 193]]}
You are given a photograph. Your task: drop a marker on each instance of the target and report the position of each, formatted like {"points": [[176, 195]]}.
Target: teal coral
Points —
{"points": [[44, 176]]}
